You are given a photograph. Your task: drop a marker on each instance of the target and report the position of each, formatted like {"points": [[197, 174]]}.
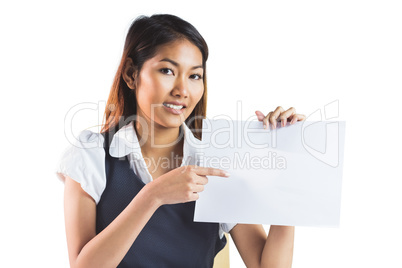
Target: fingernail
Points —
{"points": [[265, 126], [283, 123], [227, 174]]}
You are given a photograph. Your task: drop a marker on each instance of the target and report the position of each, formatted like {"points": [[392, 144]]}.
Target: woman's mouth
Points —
{"points": [[177, 107], [174, 109]]}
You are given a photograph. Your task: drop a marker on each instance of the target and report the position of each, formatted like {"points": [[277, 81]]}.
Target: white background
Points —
{"points": [[306, 54]]}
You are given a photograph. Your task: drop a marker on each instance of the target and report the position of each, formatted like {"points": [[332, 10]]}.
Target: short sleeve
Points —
{"points": [[225, 228], [84, 162]]}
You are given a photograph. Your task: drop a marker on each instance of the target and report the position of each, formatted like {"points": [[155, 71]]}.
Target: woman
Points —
{"points": [[117, 217]]}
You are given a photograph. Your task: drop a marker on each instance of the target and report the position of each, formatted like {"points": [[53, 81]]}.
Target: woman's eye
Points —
{"points": [[196, 76], [166, 71]]}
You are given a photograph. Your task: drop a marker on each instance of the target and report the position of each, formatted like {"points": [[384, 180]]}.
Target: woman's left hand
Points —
{"points": [[280, 115]]}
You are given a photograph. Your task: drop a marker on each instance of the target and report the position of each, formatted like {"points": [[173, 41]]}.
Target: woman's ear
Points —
{"points": [[129, 73]]}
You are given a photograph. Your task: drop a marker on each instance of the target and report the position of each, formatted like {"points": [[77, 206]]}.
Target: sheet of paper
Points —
{"points": [[291, 175]]}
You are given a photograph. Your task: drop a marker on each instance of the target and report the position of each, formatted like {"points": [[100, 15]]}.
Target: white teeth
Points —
{"points": [[176, 107]]}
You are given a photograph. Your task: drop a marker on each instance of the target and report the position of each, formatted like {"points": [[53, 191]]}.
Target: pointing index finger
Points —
{"points": [[207, 171]]}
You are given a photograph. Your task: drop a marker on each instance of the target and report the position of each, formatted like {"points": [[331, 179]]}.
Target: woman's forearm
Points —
{"points": [[278, 249], [109, 247]]}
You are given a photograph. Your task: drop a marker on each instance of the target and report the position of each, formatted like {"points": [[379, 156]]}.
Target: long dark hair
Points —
{"points": [[144, 37]]}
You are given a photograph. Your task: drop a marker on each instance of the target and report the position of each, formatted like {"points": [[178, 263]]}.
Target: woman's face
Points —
{"points": [[170, 84]]}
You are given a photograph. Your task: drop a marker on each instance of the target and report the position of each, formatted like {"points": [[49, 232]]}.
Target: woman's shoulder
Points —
{"points": [[88, 143], [84, 161], [88, 138]]}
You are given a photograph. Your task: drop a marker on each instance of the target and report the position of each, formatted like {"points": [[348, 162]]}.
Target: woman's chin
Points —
{"points": [[170, 122]]}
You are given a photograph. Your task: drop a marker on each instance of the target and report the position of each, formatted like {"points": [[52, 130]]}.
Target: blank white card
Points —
{"points": [[291, 175]]}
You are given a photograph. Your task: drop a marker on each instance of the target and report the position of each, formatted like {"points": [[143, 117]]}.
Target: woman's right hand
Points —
{"points": [[182, 184]]}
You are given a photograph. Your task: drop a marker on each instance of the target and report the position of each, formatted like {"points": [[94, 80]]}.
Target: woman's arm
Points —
{"points": [[258, 250], [107, 249], [255, 248], [278, 250]]}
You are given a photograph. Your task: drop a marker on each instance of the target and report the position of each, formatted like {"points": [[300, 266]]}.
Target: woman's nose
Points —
{"points": [[180, 88]]}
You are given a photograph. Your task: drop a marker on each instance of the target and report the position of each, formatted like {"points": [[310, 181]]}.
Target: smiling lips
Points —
{"points": [[177, 107], [174, 107]]}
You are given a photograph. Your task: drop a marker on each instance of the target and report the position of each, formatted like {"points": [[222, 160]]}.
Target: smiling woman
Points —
{"points": [[168, 84], [121, 211], [145, 37]]}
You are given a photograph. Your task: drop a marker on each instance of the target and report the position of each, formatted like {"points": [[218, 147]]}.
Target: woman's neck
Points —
{"points": [[156, 140]]}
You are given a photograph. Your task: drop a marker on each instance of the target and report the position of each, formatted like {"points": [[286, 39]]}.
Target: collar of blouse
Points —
{"points": [[125, 141]]}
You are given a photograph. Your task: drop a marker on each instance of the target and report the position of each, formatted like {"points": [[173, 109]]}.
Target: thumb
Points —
{"points": [[260, 115]]}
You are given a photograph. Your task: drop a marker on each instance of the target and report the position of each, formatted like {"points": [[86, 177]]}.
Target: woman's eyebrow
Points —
{"points": [[176, 64]]}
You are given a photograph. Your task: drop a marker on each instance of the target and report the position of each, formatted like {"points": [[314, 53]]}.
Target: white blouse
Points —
{"points": [[84, 161]]}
